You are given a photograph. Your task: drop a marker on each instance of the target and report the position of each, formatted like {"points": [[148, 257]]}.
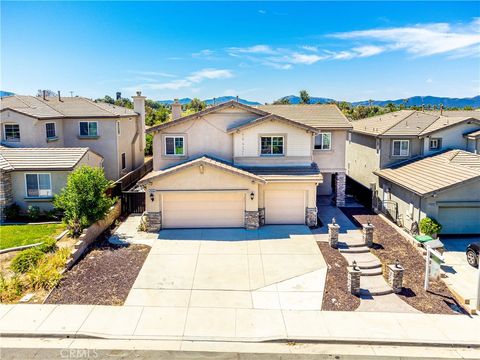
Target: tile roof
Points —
{"points": [[405, 123], [456, 113], [473, 134], [40, 158], [67, 107], [271, 117], [433, 173], [327, 116], [285, 172]]}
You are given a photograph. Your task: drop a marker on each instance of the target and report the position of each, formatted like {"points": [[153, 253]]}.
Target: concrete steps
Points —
{"points": [[372, 271], [374, 286], [354, 250]]}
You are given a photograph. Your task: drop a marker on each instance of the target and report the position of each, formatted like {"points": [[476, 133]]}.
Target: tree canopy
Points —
{"points": [[196, 105], [304, 97]]}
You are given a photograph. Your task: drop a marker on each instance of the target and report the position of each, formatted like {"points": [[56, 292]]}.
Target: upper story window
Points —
{"points": [[38, 185], [323, 141], [435, 144], [174, 145], [271, 145], [12, 132], [50, 130], [88, 128], [401, 148]]}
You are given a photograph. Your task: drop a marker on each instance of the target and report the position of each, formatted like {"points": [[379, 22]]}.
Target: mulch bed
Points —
{"points": [[389, 246], [104, 276], [336, 297]]}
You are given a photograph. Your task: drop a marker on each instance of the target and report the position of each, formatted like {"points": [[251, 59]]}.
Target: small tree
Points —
{"points": [[196, 105], [430, 226], [83, 200], [304, 97]]}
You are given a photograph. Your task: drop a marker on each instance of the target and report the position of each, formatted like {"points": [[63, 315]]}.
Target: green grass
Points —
{"points": [[19, 235]]}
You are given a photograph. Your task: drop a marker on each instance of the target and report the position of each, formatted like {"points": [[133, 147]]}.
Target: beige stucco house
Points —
{"points": [[234, 165], [383, 142], [32, 176], [114, 132]]}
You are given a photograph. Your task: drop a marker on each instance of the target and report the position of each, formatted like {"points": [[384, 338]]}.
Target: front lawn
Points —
{"points": [[19, 235]]}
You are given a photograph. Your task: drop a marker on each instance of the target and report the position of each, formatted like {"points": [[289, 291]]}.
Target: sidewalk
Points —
{"points": [[244, 325]]}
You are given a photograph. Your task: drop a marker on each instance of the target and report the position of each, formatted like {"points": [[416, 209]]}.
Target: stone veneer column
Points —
{"points": [[340, 189], [251, 220], [261, 216], [6, 196], [154, 221], [333, 230], [354, 275], [395, 277], [367, 234], [311, 216]]}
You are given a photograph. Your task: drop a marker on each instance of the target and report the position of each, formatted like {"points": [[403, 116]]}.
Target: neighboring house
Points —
{"points": [[234, 165], [32, 176], [444, 186], [380, 141], [114, 132]]}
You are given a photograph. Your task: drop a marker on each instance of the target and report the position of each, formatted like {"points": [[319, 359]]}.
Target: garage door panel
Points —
{"points": [[459, 220], [285, 207], [189, 210]]}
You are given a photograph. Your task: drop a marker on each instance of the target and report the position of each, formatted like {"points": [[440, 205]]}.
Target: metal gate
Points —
{"points": [[133, 202]]}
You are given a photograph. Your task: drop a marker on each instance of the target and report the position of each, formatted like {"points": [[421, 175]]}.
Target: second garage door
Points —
{"points": [[284, 207], [203, 209], [459, 220]]}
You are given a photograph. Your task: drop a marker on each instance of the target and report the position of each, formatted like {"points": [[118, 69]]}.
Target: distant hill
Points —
{"points": [[218, 100], [5, 93]]}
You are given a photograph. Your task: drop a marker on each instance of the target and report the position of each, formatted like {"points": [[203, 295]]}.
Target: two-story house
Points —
{"points": [[386, 143], [233, 165], [114, 132]]}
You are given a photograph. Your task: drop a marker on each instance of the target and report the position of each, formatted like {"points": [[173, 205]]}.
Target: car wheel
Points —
{"points": [[472, 258]]}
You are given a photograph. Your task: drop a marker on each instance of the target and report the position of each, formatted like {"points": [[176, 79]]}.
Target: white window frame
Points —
{"points": [[271, 145], [438, 142], [400, 154], [122, 156], [321, 145], [38, 184], [5, 132], [54, 129], [410, 211], [174, 137], [88, 127]]}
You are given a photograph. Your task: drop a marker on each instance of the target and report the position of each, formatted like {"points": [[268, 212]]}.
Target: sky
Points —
{"points": [[257, 50]]}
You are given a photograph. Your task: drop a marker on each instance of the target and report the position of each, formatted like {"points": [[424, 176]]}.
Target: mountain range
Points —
{"points": [[218, 100]]}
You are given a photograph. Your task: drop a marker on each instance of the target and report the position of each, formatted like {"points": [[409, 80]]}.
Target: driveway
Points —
{"points": [[461, 276], [222, 269]]}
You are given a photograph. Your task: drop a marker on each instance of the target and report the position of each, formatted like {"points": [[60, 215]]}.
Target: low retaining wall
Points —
{"points": [[90, 234]]}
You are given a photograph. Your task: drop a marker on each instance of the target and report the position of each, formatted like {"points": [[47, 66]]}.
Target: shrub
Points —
{"points": [[26, 260], [430, 226], [49, 245], [47, 273], [10, 289], [12, 212], [33, 212], [84, 200]]}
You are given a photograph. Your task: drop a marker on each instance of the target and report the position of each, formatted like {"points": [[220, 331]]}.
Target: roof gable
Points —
{"points": [[271, 117]]}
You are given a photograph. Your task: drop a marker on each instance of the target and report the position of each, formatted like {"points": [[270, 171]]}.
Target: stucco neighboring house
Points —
{"points": [[380, 141], [114, 132], [233, 165], [32, 176], [444, 186]]}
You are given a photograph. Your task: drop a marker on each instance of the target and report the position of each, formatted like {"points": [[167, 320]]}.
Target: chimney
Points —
{"points": [[139, 108], [44, 92], [237, 98], [118, 95], [59, 97], [176, 110]]}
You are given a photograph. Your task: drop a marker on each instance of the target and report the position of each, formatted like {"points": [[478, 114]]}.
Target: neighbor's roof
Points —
{"points": [[434, 173], [405, 123], [52, 107], [40, 158], [456, 113], [327, 116], [271, 117], [205, 159]]}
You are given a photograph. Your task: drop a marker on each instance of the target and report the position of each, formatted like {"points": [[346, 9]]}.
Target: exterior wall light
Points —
{"points": [[201, 169], [252, 195], [152, 196]]}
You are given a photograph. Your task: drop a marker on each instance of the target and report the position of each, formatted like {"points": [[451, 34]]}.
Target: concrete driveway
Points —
{"points": [[461, 276], [282, 273]]}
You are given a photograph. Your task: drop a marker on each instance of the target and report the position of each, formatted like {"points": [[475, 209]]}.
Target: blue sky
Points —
{"points": [[257, 50]]}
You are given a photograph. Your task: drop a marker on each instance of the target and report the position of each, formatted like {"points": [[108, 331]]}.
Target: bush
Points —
{"points": [[10, 289], [49, 245], [33, 212], [26, 260], [84, 200], [12, 212], [47, 272], [430, 226]]}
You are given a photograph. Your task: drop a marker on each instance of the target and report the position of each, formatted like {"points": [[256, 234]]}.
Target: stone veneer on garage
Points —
{"points": [[6, 196], [340, 189], [252, 220], [311, 216], [153, 221]]}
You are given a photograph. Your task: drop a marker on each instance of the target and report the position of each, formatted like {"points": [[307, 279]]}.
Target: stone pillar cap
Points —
{"points": [[334, 225], [395, 268], [352, 270], [368, 225]]}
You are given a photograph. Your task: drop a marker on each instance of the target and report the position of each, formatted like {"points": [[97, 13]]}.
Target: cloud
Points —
{"points": [[298, 58], [309, 48], [255, 49], [422, 39], [190, 80], [151, 73], [429, 81], [262, 12], [205, 53], [369, 50]]}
